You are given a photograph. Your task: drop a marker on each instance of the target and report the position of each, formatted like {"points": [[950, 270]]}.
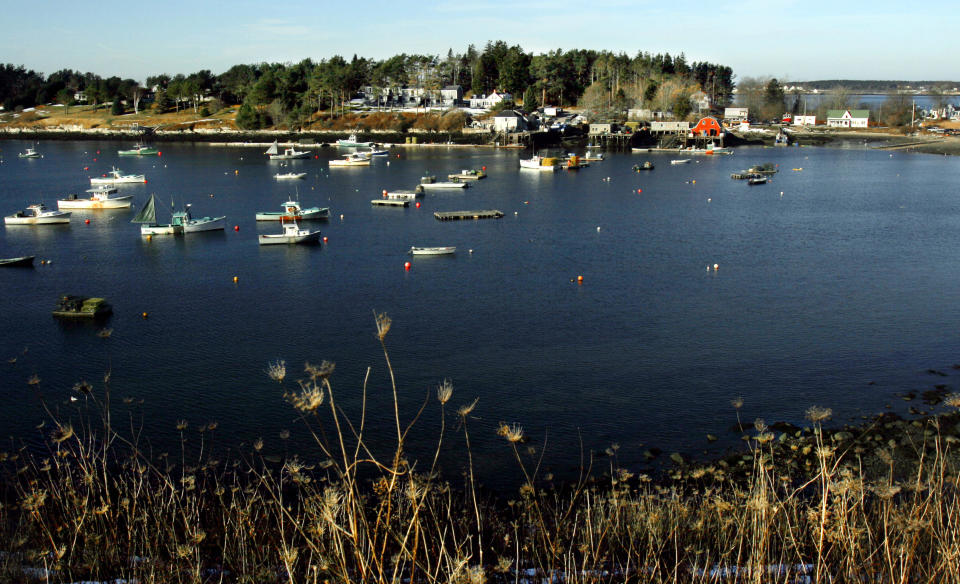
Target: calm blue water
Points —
{"points": [[836, 287]]}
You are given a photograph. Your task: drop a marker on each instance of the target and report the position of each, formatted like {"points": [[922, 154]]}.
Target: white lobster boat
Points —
{"points": [[99, 199]]}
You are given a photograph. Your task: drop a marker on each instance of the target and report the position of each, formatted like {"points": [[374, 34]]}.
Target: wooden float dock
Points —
{"points": [[458, 215], [390, 202]]}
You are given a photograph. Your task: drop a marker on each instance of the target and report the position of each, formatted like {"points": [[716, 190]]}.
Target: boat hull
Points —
{"points": [[124, 202], [278, 239], [102, 180], [49, 220], [349, 163], [290, 176], [21, 262], [140, 152], [204, 224], [159, 230], [304, 214], [444, 185], [432, 250]]}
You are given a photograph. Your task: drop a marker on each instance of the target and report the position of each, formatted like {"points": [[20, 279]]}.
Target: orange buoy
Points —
{"points": [[579, 279], [86, 168], [639, 191], [236, 279], [324, 239], [86, 221], [143, 315], [384, 192], [406, 265]]}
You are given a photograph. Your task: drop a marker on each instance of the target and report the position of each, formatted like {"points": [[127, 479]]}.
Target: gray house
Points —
{"points": [[451, 95]]}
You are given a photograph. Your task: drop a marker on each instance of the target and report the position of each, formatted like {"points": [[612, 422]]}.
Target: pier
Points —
{"points": [[459, 215]]}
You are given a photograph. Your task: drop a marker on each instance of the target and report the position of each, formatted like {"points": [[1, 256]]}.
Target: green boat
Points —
{"points": [[81, 307], [139, 150]]}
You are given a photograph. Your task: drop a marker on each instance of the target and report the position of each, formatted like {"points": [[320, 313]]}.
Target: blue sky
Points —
{"points": [[790, 40]]}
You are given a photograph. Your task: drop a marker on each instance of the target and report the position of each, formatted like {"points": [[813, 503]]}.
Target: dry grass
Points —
{"points": [[95, 506]]}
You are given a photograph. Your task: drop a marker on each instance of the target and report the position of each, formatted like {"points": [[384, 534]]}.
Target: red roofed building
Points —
{"points": [[708, 126]]}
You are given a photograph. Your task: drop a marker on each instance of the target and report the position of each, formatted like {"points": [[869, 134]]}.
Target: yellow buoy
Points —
{"points": [[235, 279]]}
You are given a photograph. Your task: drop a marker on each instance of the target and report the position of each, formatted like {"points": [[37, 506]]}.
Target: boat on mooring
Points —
{"points": [[37, 214], [20, 262], [352, 159], [99, 199], [288, 153], [293, 212], [353, 142], [290, 175], [432, 250], [116, 176], [139, 150], [645, 165], [30, 153], [147, 217], [290, 233], [187, 223], [535, 162], [468, 174], [430, 182]]}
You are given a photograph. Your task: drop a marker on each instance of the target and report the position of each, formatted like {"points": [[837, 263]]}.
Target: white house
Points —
{"points": [[509, 121], [700, 102], [736, 114], [848, 118], [489, 101], [801, 120]]}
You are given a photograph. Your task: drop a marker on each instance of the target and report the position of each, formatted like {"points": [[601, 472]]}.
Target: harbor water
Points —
{"points": [[607, 307]]}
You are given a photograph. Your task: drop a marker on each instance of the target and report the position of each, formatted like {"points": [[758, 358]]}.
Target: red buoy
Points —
{"points": [[483, 168], [236, 228], [87, 221], [418, 204], [159, 153], [639, 190], [324, 239], [406, 265]]}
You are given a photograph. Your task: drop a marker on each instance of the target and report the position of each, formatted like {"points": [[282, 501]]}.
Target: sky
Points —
{"points": [[789, 40]]}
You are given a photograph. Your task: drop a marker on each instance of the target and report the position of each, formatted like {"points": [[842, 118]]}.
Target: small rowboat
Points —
{"points": [[432, 250]]}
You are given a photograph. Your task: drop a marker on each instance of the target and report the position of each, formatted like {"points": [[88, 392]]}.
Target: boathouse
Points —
{"points": [[735, 115], [707, 127], [848, 118], [804, 120]]}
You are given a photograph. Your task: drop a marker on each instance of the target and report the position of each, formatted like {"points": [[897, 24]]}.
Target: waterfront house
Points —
{"points": [[735, 115], [680, 128], [848, 118], [489, 101], [603, 128], [804, 120], [510, 121], [708, 126]]}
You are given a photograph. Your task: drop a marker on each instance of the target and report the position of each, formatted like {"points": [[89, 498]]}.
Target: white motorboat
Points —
{"points": [[288, 153], [290, 175], [139, 150], [430, 182], [293, 212], [99, 199], [468, 174], [593, 156], [290, 233], [539, 163], [190, 224], [30, 153], [352, 142], [37, 214], [116, 176], [378, 152], [147, 217], [680, 161], [432, 250], [404, 195], [353, 159]]}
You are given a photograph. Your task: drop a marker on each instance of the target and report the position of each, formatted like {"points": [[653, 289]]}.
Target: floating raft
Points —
{"points": [[457, 215], [390, 202]]}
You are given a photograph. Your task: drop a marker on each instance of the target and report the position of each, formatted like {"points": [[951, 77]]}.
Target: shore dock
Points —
{"points": [[460, 215]]}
